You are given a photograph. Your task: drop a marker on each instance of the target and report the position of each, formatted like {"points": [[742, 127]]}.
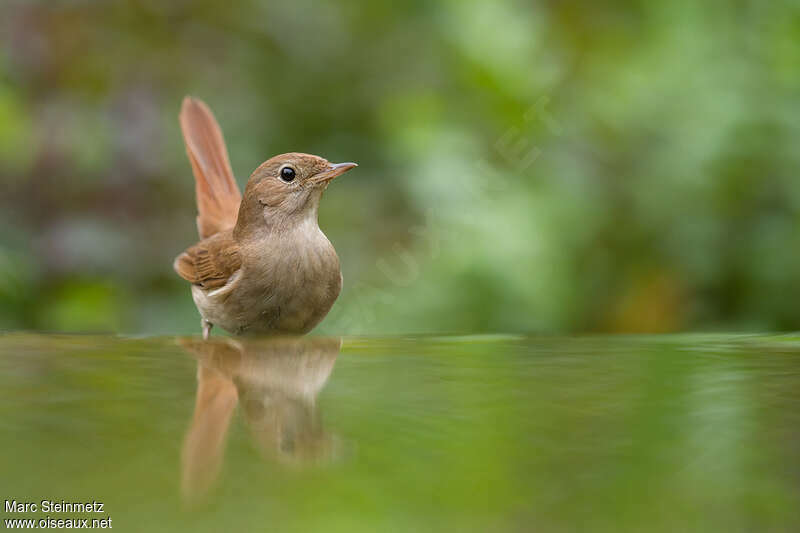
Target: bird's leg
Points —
{"points": [[206, 328]]}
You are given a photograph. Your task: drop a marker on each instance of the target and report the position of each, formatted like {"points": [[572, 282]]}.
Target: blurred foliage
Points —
{"points": [[524, 166]]}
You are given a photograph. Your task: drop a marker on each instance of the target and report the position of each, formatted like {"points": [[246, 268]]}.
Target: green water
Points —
{"points": [[687, 433]]}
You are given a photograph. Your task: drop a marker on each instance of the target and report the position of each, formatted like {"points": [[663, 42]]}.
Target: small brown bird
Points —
{"points": [[262, 266]]}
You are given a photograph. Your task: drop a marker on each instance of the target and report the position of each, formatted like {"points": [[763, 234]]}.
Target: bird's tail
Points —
{"points": [[218, 196]]}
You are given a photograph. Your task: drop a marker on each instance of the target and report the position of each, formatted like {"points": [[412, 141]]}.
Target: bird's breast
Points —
{"points": [[288, 283]]}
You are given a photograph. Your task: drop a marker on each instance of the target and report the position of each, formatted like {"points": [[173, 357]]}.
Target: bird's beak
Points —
{"points": [[335, 169]]}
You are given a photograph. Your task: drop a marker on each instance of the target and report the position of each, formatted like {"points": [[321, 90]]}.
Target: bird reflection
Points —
{"points": [[276, 381]]}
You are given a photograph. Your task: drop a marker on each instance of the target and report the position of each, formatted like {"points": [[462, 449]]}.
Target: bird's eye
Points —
{"points": [[287, 174]]}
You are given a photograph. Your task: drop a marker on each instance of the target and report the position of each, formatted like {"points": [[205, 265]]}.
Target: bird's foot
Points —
{"points": [[206, 328]]}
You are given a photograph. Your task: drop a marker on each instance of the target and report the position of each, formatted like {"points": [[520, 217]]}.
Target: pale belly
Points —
{"points": [[281, 297]]}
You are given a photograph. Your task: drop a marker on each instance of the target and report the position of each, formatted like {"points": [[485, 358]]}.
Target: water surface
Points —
{"points": [[671, 433]]}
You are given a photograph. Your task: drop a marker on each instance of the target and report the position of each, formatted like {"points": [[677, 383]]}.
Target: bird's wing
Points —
{"points": [[211, 262], [218, 196]]}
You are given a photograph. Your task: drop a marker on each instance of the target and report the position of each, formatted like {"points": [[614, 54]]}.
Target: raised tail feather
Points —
{"points": [[218, 196]]}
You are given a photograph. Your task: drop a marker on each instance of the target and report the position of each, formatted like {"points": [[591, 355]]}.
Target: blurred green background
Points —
{"points": [[549, 166]]}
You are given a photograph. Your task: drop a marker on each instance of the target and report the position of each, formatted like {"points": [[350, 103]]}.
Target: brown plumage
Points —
{"points": [[263, 265], [218, 196], [211, 262]]}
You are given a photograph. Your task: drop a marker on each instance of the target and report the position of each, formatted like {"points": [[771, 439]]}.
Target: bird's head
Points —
{"points": [[286, 190]]}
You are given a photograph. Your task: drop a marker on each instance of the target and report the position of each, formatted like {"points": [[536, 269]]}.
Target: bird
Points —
{"points": [[262, 265]]}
